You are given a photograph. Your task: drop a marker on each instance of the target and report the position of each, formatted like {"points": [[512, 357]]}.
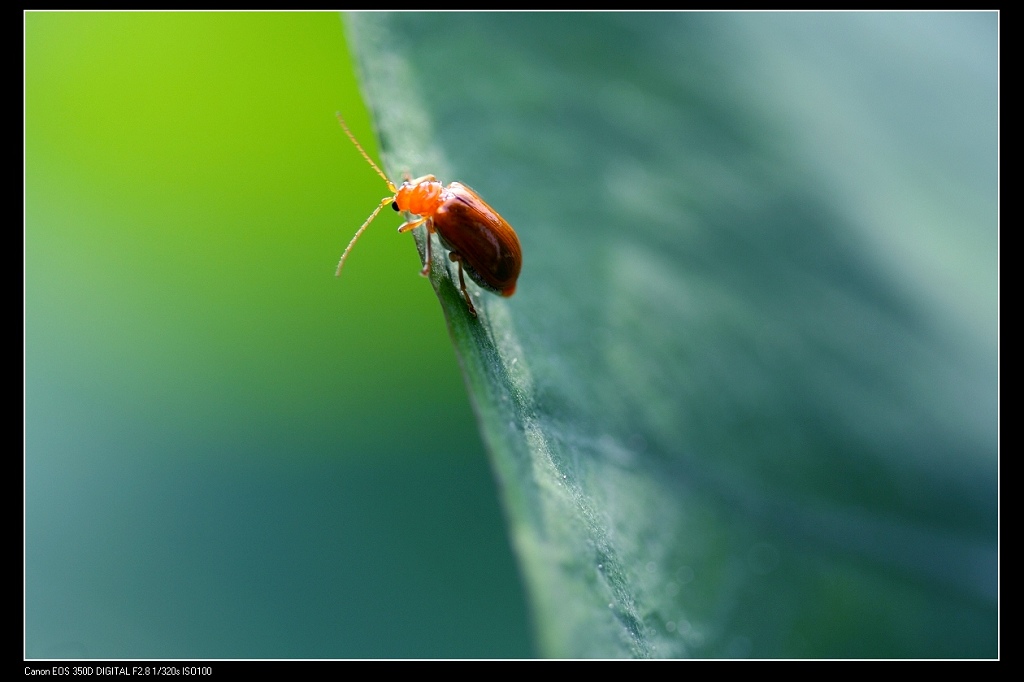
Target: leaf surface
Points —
{"points": [[744, 401]]}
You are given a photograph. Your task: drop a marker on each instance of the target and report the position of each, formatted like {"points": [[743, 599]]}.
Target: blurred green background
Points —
{"points": [[212, 464]]}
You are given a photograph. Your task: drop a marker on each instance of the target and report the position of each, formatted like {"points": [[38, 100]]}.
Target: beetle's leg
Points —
{"points": [[462, 282], [425, 272], [423, 178], [412, 224]]}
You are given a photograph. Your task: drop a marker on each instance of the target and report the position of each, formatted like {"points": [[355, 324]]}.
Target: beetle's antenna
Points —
{"points": [[383, 202], [391, 185]]}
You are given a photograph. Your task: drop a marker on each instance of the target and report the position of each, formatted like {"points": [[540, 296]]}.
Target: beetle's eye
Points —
{"points": [[394, 205]]}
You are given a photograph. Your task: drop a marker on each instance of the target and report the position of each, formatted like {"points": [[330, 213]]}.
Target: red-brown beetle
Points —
{"points": [[476, 236]]}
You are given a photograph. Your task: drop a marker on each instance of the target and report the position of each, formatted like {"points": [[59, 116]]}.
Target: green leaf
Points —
{"points": [[744, 401]]}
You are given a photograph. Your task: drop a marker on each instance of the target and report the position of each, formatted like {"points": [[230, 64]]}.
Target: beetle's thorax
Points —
{"points": [[420, 197]]}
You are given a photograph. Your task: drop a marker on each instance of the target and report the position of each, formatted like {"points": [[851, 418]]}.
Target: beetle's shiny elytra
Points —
{"points": [[478, 239]]}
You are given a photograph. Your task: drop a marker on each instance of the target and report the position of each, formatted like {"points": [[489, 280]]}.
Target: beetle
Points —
{"points": [[478, 239]]}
